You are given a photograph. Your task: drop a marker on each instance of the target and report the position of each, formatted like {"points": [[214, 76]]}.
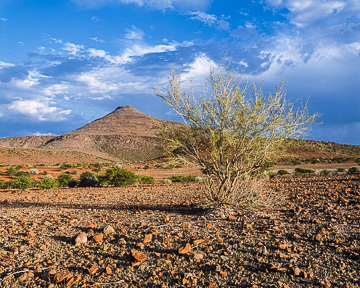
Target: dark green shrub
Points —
{"points": [[21, 173], [271, 174], [72, 183], [282, 172], [22, 182], [303, 171], [146, 167], [353, 170], [63, 180], [357, 161], [324, 172], [47, 183], [180, 178], [315, 161], [88, 179], [10, 171], [119, 177], [65, 166], [142, 179], [2, 184]]}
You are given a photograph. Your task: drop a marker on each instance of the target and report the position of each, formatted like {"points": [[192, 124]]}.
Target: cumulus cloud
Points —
{"points": [[39, 110], [198, 69], [73, 49], [5, 65], [154, 4]]}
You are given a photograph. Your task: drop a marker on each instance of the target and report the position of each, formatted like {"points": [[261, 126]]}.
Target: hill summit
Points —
{"points": [[126, 133]]}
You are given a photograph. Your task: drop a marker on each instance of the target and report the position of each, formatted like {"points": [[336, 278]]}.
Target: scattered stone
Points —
{"points": [[98, 238], [185, 249], [231, 218], [91, 226], [93, 269], [297, 271], [80, 238], [186, 225], [30, 234], [319, 237], [108, 270], [62, 277], [107, 229], [148, 238], [198, 256], [138, 256]]}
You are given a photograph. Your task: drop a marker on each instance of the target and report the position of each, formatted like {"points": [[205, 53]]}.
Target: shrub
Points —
{"points": [[47, 183], [33, 171], [22, 182], [146, 167], [88, 179], [357, 161], [63, 180], [72, 183], [303, 171], [10, 171], [119, 177], [324, 172], [353, 170], [143, 179], [232, 130], [166, 181], [65, 166], [2, 184], [21, 173], [282, 172], [296, 162], [180, 178]]}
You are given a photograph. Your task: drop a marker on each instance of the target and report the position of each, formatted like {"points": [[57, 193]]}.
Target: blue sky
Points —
{"points": [[64, 63]]}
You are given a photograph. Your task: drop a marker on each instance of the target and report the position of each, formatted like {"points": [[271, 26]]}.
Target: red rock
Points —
{"points": [[62, 277], [138, 256], [186, 225], [198, 256], [98, 238], [80, 238], [231, 218], [93, 270], [108, 270], [30, 234], [148, 238], [185, 249], [91, 226]]}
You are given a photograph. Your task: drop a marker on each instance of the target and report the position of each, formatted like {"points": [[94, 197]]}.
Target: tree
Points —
{"points": [[231, 130]]}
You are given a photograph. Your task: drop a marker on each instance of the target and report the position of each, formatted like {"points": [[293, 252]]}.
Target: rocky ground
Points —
{"points": [[160, 236]]}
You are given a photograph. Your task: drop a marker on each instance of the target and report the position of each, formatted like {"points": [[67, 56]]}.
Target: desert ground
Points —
{"points": [[162, 235]]}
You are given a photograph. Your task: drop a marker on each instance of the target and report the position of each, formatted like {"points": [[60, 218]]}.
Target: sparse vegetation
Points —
{"points": [[353, 170], [47, 183], [231, 132], [303, 172], [88, 179], [22, 182], [184, 179], [34, 171], [63, 179], [282, 172]]}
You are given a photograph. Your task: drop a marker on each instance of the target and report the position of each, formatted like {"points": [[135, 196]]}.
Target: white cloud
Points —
{"points": [[209, 19], [96, 39], [198, 69], [37, 133], [155, 4], [39, 110], [306, 12], [134, 33], [5, 65], [32, 79], [73, 49]]}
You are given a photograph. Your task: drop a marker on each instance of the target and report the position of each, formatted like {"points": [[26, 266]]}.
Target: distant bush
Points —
{"points": [[65, 166], [10, 171], [48, 176], [357, 161], [340, 170], [166, 181], [47, 183], [303, 171], [353, 170], [119, 177], [296, 161], [88, 179], [2, 184], [21, 173], [270, 174], [180, 178], [146, 167], [324, 172], [315, 161], [282, 172], [72, 183], [34, 171], [63, 180], [22, 182], [142, 179]]}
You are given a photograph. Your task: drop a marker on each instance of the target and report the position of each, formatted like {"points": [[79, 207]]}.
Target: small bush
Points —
{"points": [[47, 183], [282, 172], [315, 161], [180, 178], [353, 170], [142, 179], [22, 182], [63, 180], [88, 179], [48, 176], [357, 161], [10, 171], [120, 177], [21, 173], [324, 172], [296, 162], [65, 166], [166, 181], [146, 167], [340, 170], [2, 184], [34, 171], [72, 183], [303, 171]]}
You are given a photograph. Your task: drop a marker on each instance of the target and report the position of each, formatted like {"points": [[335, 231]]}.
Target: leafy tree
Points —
{"points": [[88, 179], [120, 177], [63, 179], [22, 182], [231, 131]]}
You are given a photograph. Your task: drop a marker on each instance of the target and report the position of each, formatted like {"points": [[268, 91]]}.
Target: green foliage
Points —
{"points": [[10, 171], [282, 172], [63, 179], [22, 182], [232, 130], [88, 179], [21, 173], [2, 184], [324, 172], [47, 183], [184, 179], [72, 183], [166, 181], [296, 161], [353, 170], [65, 166], [303, 171], [143, 179], [119, 177], [146, 167], [340, 170], [357, 160], [34, 171]]}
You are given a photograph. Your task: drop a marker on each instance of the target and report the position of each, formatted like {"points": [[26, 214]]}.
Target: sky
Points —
{"points": [[64, 63]]}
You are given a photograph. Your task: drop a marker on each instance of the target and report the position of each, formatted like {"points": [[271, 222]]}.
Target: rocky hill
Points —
{"points": [[125, 133]]}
